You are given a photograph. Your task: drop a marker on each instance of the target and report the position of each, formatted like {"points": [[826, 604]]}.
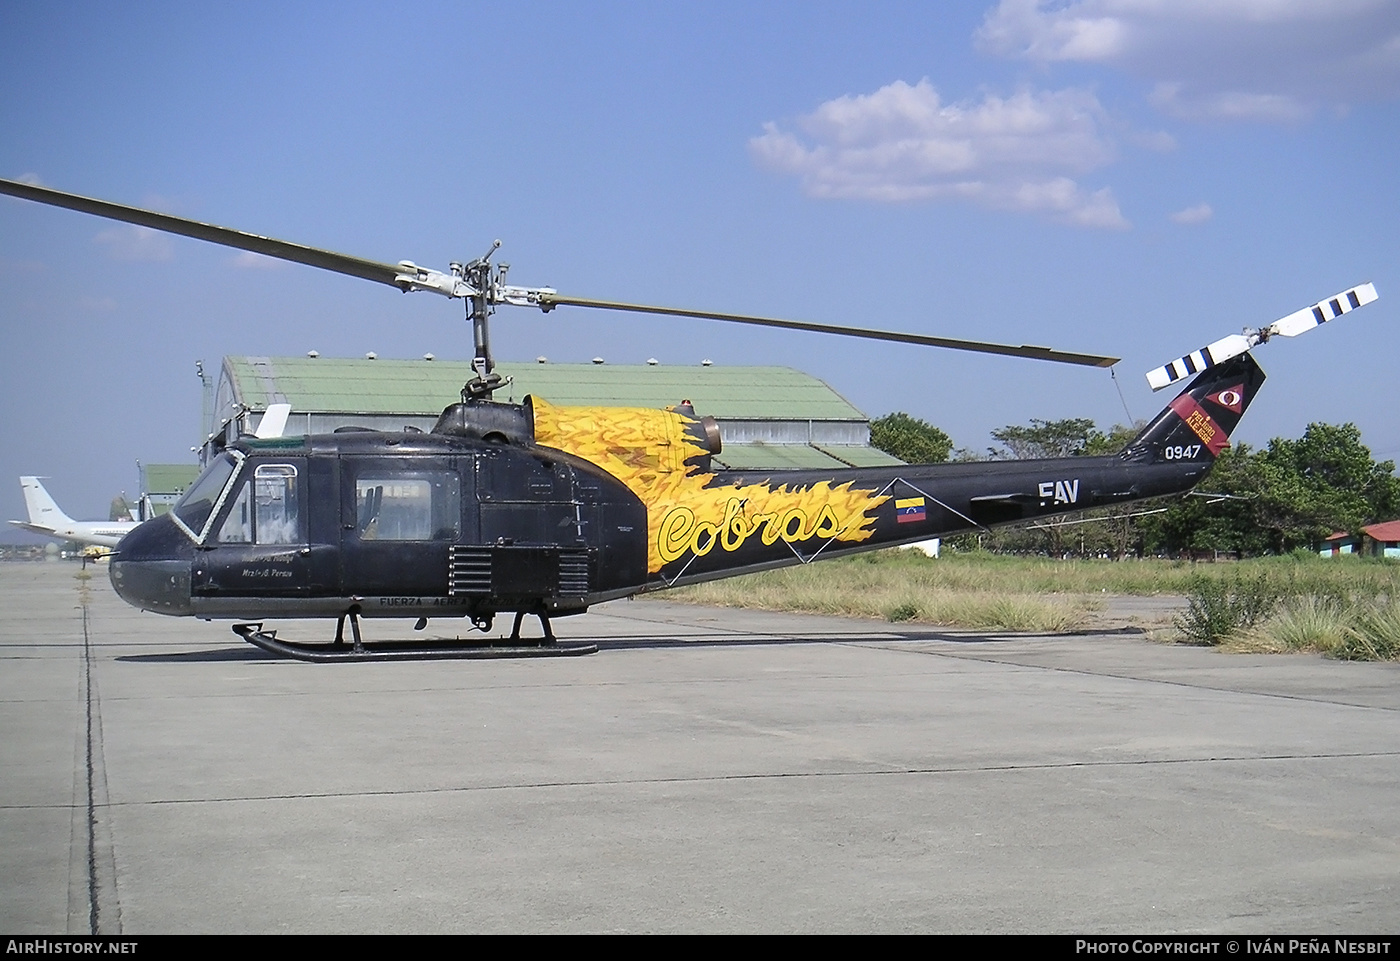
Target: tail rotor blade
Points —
{"points": [[1199, 360], [1324, 310], [1291, 326]]}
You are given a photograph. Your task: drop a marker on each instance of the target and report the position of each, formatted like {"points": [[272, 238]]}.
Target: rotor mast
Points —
{"points": [[482, 285], [478, 275]]}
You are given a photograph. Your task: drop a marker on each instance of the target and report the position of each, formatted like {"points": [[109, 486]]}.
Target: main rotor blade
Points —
{"points": [[228, 237], [409, 277], [549, 301]]}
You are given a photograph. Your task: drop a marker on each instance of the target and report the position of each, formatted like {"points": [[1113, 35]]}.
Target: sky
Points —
{"points": [[1128, 177]]}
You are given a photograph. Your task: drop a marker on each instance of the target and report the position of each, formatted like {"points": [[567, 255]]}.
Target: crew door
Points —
{"points": [[399, 520], [258, 548]]}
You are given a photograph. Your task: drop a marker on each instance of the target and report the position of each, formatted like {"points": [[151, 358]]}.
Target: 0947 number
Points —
{"points": [[1183, 452]]}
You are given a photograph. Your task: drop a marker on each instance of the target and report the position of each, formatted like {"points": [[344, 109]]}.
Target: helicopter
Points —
{"points": [[545, 510]]}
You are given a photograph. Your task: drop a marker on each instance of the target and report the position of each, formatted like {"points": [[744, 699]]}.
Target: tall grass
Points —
{"points": [[982, 573], [902, 586], [1307, 623], [1043, 594], [894, 594], [1352, 629]]}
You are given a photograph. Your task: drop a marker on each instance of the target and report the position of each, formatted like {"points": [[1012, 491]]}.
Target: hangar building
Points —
{"points": [[769, 417], [162, 485]]}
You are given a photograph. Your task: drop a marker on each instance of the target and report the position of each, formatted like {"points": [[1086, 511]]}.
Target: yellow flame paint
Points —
{"points": [[647, 450]]}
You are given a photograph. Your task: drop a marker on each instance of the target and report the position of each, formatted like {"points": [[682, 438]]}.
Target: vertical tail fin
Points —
{"points": [[42, 509], [1197, 424]]}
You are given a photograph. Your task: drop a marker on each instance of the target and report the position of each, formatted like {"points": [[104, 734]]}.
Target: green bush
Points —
{"points": [[1217, 609], [904, 611]]}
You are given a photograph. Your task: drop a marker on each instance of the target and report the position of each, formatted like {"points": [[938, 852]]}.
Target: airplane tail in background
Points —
{"points": [[43, 512], [47, 518], [1198, 423]]}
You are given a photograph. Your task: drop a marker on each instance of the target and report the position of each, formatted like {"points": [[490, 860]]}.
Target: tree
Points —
{"points": [[1072, 437], [1228, 523], [910, 439], [1291, 494], [1325, 481], [1099, 444]]}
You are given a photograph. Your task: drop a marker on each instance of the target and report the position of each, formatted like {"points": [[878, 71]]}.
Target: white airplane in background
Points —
{"points": [[45, 517]]}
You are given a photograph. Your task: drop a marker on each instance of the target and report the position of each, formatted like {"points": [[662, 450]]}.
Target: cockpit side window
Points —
{"points": [[277, 504], [266, 510]]}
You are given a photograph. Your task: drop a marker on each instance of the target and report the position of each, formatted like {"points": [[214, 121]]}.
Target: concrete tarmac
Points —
{"points": [[707, 771]]}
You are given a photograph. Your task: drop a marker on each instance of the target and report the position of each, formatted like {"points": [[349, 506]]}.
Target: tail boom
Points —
{"points": [[901, 505]]}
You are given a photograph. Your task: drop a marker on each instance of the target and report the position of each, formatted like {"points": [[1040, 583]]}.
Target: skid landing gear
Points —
{"points": [[360, 650], [544, 625]]}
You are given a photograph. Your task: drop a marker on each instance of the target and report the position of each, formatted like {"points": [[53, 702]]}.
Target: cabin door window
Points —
{"points": [[422, 506]]}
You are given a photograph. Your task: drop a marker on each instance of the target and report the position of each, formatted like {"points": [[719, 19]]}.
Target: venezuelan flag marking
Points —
{"points": [[909, 509]]}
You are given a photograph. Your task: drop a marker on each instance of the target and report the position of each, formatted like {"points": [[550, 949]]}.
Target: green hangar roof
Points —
{"points": [[425, 387], [770, 417], [167, 478]]}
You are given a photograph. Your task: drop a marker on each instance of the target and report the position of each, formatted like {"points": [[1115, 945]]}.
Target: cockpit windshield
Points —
{"points": [[193, 509]]}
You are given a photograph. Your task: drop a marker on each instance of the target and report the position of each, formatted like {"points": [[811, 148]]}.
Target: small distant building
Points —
{"points": [[769, 417], [1376, 540], [1338, 544], [162, 485]]}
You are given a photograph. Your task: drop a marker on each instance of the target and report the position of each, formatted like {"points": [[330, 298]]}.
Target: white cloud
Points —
{"points": [[1157, 140], [32, 179], [1263, 60], [251, 261], [902, 143], [1198, 214], [136, 243], [1079, 31], [1229, 105]]}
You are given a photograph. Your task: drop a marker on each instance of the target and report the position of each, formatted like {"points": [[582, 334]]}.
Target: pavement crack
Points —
{"points": [[93, 906], [1008, 661], [893, 771]]}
